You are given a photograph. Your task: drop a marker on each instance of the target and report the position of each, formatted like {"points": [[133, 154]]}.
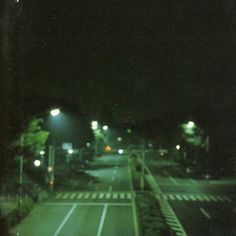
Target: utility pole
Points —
{"points": [[143, 167], [51, 165], [21, 167]]}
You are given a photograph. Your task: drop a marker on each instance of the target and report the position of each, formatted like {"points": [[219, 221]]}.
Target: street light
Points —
{"points": [[190, 124], [177, 147], [37, 163], [94, 125], [55, 112], [105, 127]]}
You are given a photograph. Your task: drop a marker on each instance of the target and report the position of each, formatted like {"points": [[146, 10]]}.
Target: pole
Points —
{"points": [[21, 167], [143, 167]]}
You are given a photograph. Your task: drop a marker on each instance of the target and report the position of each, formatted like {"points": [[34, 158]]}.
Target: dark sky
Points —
{"points": [[141, 58]]}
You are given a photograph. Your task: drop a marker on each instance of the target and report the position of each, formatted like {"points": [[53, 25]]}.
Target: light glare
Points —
{"points": [[55, 112]]}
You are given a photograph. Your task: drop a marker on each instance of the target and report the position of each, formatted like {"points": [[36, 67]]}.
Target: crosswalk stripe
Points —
{"points": [[72, 195], [129, 196], [122, 195], [192, 197], [206, 198], [58, 195], [94, 195], [65, 195], [108, 195], [165, 196], [86, 196], [178, 197], [80, 195], [185, 197], [101, 195], [227, 199], [199, 198], [115, 195], [220, 198], [213, 198], [171, 196]]}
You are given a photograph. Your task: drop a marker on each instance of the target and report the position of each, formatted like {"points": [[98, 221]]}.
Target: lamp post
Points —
{"points": [[51, 155]]}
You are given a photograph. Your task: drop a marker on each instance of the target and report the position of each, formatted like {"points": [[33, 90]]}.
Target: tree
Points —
{"points": [[32, 140]]}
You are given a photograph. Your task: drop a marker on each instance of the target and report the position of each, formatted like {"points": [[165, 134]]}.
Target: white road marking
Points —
{"points": [[94, 195], [194, 181], [204, 212], [86, 204], [102, 220], [170, 177], [199, 198], [58, 195], [171, 197], [108, 195], [178, 197], [65, 220], [80, 195], [110, 188], [65, 195], [72, 195], [86, 196], [192, 197], [185, 197], [122, 195], [227, 199], [101, 195], [115, 195], [213, 198]]}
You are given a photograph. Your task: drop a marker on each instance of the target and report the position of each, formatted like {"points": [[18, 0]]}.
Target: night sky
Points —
{"points": [[140, 58]]}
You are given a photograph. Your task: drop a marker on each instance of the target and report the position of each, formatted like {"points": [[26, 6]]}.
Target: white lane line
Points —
{"points": [[65, 220], [102, 220], [171, 178], [204, 212], [110, 188]]}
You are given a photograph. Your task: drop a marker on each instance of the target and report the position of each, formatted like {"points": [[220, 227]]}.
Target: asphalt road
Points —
{"points": [[203, 207], [106, 209]]}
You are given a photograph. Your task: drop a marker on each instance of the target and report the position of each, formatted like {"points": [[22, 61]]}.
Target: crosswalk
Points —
{"points": [[193, 197], [93, 195]]}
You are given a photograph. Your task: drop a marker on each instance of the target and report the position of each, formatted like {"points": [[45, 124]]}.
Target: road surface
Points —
{"points": [[106, 208], [203, 207]]}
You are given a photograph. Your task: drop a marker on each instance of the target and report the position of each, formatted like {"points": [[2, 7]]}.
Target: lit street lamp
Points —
{"points": [[55, 112], [177, 147], [190, 124], [105, 127]]}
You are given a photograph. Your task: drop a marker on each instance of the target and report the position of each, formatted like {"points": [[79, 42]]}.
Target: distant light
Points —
{"points": [[42, 153], [107, 148], [150, 145], [105, 127], [17, 1], [88, 144], [177, 147], [55, 112], [50, 169], [119, 139], [70, 151], [37, 163], [129, 131], [190, 124], [120, 151], [94, 125]]}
